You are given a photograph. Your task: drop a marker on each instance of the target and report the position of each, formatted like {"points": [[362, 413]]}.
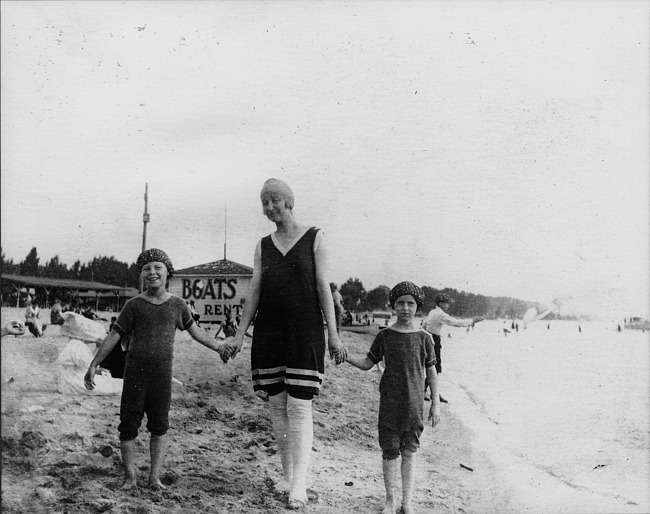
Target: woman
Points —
{"points": [[288, 298]]}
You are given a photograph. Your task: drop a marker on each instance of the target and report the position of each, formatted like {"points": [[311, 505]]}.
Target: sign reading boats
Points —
{"points": [[213, 289], [207, 289]]}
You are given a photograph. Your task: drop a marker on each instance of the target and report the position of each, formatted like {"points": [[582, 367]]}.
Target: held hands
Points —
{"points": [[231, 347], [434, 414], [337, 350]]}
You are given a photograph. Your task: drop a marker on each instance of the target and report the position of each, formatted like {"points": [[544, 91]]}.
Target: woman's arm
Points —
{"points": [[337, 350], [250, 308]]}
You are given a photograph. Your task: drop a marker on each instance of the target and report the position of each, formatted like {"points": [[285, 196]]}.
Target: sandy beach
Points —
{"points": [[60, 452]]}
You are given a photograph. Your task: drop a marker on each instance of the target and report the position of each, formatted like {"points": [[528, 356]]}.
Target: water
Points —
{"points": [[565, 415]]}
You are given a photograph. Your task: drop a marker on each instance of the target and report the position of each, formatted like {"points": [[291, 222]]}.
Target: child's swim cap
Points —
{"points": [[154, 255], [404, 288]]}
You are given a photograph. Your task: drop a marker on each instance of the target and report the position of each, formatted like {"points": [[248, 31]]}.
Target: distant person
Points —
{"points": [[32, 318], [152, 318], [90, 314], [290, 295], [579, 329], [195, 315], [409, 358], [338, 305], [619, 327], [228, 327], [439, 317], [55, 313]]}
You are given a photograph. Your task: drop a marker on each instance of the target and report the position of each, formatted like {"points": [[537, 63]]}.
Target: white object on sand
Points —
{"points": [[74, 359], [77, 326]]}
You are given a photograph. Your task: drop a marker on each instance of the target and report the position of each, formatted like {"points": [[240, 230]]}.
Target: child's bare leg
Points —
{"points": [[408, 480], [157, 446], [390, 482], [278, 411], [128, 461]]}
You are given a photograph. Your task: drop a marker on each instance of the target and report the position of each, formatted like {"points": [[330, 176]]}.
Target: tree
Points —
{"points": [[429, 298], [354, 295], [109, 270], [7, 266], [30, 266], [377, 298], [55, 269], [75, 271]]}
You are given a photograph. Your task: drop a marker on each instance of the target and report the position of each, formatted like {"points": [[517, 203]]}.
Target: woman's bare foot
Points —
{"points": [[282, 486]]}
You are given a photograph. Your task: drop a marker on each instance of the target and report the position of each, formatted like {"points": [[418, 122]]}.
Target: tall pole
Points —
{"points": [[145, 220], [225, 231], [145, 217]]}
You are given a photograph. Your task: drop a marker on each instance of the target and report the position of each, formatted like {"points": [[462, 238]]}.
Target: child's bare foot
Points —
{"points": [[407, 508], [129, 483], [390, 508], [156, 484]]}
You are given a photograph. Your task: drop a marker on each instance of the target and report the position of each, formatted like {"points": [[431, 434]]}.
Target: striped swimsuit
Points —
{"points": [[288, 350]]}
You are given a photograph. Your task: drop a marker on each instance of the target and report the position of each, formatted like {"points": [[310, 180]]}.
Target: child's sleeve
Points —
{"points": [[124, 323], [186, 317], [430, 359], [376, 352]]}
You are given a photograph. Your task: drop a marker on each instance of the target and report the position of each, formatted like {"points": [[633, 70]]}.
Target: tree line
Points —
{"points": [[107, 270], [466, 305]]}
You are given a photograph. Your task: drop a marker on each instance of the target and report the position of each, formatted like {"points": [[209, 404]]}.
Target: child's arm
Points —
{"points": [[201, 336], [363, 363], [107, 346], [434, 410]]}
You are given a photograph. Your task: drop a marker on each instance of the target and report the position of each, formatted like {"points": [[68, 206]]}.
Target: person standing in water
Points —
{"points": [[436, 319]]}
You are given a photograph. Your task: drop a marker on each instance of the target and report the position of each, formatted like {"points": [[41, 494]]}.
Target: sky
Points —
{"points": [[495, 147]]}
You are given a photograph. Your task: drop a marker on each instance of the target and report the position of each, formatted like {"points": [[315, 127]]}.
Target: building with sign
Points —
{"points": [[216, 288]]}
